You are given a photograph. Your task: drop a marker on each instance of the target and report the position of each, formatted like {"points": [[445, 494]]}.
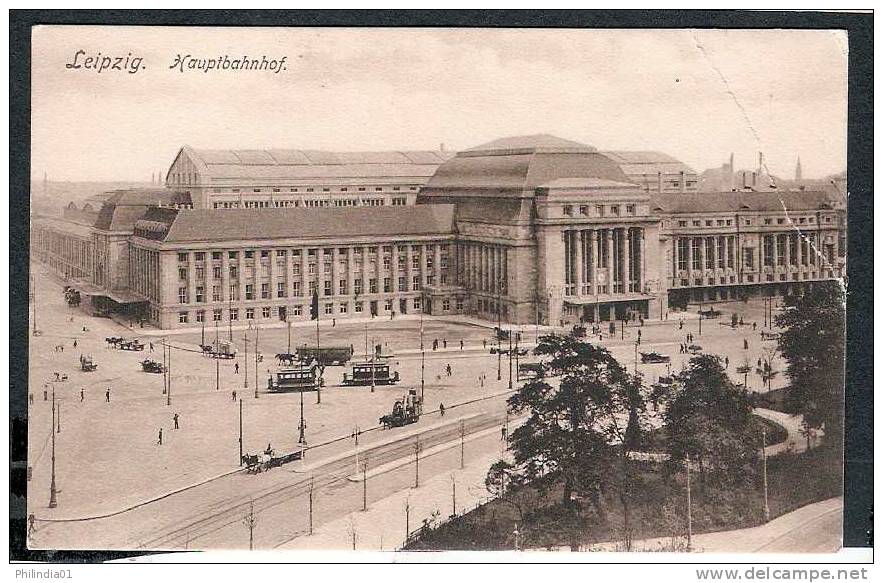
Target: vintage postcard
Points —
{"points": [[406, 289]]}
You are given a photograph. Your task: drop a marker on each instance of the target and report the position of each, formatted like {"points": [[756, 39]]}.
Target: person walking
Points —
{"points": [[159, 441], [753, 326], [484, 343], [75, 342], [32, 524], [234, 394], [175, 420], [726, 362], [444, 342], [441, 409], [461, 345], [745, 343], [681, 325], [151, 347], [236, 368], [107, 395], [82, 395]]}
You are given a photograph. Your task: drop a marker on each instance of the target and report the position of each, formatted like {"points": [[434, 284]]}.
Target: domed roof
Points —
{"points": [[517, 165]]}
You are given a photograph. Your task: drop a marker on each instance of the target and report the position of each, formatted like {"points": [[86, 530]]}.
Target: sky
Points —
{"points": [[697, 95]]}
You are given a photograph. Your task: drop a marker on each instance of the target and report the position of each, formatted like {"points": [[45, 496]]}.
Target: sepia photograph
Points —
{"points": [[437, 289]]}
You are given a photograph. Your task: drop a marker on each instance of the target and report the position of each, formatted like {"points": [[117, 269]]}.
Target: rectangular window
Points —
{"points": [[682, 223], [682, 254], [234, 292], [295, 288], [630, 209], [417, 303], [234, 272], [415, 262], [216, 293], [182, 295], [326, 268], [249, 313], [295, 268], [280, 289], [265, 291], [568, 210], [200, 273], [182, 273], [342, 287], [342, 308], [327, 287], [357, 286], [415, 283], [430, 280], [403, 284], [182, 317], [358, 307], [387, 306], [296, 310], [313, 287], [200, 294], [459, 305], [216, 315], [387, 262], [216, 272], [200, 316], [372, 285], [182, 257], [216, 255], [249, 291], [311, 268], [697, 253], [387, 285], [200, 255], [234, 314], [265, 312], [249, 254], [446, 305]]}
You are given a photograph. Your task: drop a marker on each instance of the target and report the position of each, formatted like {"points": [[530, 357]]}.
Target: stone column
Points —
{"points": [[437, 268], [626, 259], [577, 263], [610, 258], [775, 237], [799, 252], [305, 278]]}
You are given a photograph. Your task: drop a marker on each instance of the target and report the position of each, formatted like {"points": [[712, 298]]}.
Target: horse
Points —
{"points": [[285, 358]]}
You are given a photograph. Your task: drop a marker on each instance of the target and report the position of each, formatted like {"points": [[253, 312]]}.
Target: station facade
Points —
{"points": [[525, 229]]}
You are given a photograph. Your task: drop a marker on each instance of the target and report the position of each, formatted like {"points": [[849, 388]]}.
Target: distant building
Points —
{"points": [[655, 171]]}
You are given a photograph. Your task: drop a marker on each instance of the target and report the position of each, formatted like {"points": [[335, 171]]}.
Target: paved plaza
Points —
{"points": [[107, 454]]}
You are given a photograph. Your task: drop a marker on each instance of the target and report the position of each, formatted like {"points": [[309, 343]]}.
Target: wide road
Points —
{"points": [[211, 516]]}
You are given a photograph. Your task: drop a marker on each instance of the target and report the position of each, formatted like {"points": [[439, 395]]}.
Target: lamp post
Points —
{"points": [[169, 390], [422, 358], [373, 352], [257, 337], [240, 431], [53, 492], [499, 330], [302, 426], [689, 510], [245, 360], [766, 499], [217, 360]]}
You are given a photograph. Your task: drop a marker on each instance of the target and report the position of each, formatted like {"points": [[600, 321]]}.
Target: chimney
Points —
{"points": [[754, 179], [659, 182], [683, 182], [760, 162], [744, 178], [731, 173]]}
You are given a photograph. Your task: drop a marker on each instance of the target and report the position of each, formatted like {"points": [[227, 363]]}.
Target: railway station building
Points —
{"points": [[524, 229]]}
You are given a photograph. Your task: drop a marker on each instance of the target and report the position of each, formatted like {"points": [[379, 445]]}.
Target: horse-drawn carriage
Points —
{"points": [[405, 411], [114, 341], [266, 460], [220, 349], [286, 358], [654, 358], [710, 314], [325, 356], [694, 349], [86, 364], [152, 366]]}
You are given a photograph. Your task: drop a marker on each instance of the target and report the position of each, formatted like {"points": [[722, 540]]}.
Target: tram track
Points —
{"points": [[328, 480]]}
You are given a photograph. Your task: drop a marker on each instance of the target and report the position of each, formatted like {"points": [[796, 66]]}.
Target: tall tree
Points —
{"points": [[581, 412], [709, 419], [813, 343]]}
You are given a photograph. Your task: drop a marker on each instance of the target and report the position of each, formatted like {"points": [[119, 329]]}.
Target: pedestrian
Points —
{"points": [[32, 524], [75, 342], [444, 342], [726, 362], [639, 334], [758, 363], [57, 376], [82, 395], [62, 347], [754, 326], [151, 347], [159, 441], [333, 322], [31, 398], [745, 343], [448, 369], [236, 368], [461, 345], [681, 325], [234, 394], [503, 433], [107, 396], [441, 409], [484, 343], [741, 321], [481, 380], [175, 419]]}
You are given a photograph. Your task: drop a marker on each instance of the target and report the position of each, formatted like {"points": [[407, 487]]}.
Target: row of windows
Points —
{"points": [[297, 290], [749, 278], [310, 203], [299, 310], [200, 272], [600, 210], [326, 252], [747, 222], [313, 189]]}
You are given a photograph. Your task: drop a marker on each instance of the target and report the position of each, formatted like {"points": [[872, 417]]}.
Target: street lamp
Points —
{"points": [[302, 426], [766, 499], [53, 498], [499, 330]]}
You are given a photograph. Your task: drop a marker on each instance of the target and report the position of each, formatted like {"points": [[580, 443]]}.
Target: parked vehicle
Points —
{"points": [[86, 364], [654, 358], [325, 356], [367, 373], [294, 379], [152, 366]]}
